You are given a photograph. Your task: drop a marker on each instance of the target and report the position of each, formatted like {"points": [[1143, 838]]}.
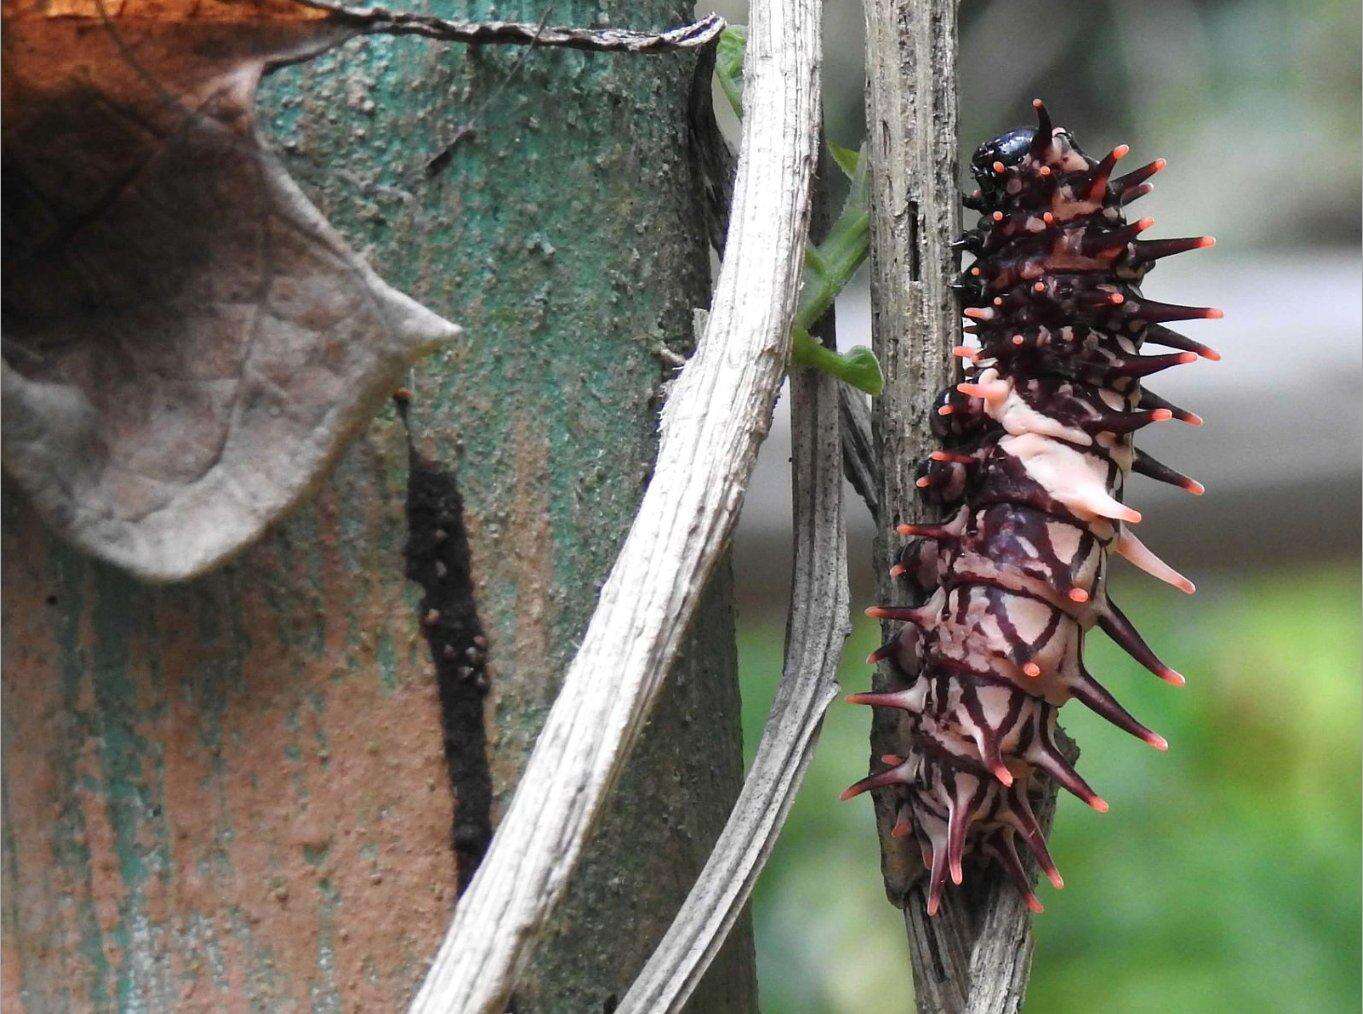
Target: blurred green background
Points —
{"points": [[1227, 875]]}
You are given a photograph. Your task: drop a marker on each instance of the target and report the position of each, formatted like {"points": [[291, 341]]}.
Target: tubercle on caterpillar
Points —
{"points": [[1036, 447]]}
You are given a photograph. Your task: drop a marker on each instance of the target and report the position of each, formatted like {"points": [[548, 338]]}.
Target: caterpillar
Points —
{"points": [[1036, 447]]}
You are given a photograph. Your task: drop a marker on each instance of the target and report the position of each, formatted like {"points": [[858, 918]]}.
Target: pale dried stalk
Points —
{"points": [[915, 319], [975, 956], [816, 629], [714, 420], [859, 462]]}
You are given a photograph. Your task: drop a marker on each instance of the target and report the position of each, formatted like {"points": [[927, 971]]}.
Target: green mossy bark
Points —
{"points": [[564, 234], [231, 791]]}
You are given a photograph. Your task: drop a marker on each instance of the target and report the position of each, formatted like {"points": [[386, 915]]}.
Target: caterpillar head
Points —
{"points": [[1006, 164], [1010, 149]]}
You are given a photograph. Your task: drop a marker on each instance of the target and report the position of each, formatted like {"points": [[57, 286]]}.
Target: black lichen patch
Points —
{"points": [[437, 555]]}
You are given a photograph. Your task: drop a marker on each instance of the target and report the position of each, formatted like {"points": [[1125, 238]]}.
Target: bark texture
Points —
{"points": [[976, 955], [716, 416], [234, 789], [230, 790], [915, 319]]}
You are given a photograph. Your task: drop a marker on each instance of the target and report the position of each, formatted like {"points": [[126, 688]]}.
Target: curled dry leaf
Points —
{"points": [[188, 342]]}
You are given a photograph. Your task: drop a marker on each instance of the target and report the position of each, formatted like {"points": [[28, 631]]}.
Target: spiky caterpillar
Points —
{"points": [[1037, 445]]}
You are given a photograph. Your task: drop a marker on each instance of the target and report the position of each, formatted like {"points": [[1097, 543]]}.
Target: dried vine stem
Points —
{"points": [[714, 420], [816, 631], [816, 628], [859, 461], [976, 955], [381, 21]]}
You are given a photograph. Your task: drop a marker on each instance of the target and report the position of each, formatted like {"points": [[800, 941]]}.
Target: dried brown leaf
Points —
{"points": [[188, 343]]}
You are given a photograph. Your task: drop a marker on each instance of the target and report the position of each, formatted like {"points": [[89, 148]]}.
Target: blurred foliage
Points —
{"points": [[1226, 876], [1255, 102]]}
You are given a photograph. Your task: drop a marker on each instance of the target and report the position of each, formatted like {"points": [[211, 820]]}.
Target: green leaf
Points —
{"points": [[857, 366], [848, 161], [733, 41], [858, 196], [863, 370], [831, 265]]}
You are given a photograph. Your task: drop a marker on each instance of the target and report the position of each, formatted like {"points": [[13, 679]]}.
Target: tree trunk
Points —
{"points": [[233, 791]]}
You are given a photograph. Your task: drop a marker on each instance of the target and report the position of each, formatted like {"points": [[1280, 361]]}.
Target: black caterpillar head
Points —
{"points": [[1010, 149]]}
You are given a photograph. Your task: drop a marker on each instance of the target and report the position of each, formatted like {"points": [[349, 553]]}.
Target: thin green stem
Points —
{"points": [[829, 265]]}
